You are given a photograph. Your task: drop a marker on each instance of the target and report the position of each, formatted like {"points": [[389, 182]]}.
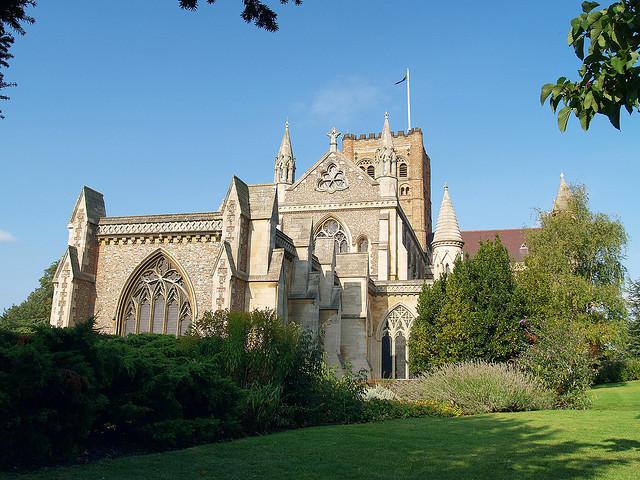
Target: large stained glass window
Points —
{"points": [[157, 300]]}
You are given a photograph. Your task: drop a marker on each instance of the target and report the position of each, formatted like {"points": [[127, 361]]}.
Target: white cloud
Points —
{"points": [[6, 236], [342, 99]]}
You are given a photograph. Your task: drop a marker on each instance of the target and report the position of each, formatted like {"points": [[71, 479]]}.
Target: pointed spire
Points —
{"points": [[285, 165], [564, 195], [447, 229], [386, 155], [285, 145], [387, 137]]}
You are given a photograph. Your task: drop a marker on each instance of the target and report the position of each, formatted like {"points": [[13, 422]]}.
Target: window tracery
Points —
{"points": [[332, 180], [158, 301], [395, 349], [331, 228]]}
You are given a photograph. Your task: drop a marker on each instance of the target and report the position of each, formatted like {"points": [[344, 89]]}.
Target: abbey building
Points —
{"points": [[342, 249]]}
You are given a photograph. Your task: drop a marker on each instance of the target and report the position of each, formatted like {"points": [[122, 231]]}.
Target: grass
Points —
{"points": [[602, 443]]}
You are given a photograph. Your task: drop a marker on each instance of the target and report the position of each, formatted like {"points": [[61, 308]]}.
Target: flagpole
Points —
{"points": [[408, 99]]}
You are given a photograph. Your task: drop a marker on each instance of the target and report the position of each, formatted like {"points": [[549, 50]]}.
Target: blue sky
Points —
{"points": [[157, 107]]}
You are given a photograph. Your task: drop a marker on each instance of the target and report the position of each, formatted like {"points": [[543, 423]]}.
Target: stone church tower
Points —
{"points": [[412, 171]]}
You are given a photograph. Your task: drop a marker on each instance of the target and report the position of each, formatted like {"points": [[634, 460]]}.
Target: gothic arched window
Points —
{"points": [[403, 170], [157, 300], [395, 343], [331, 228]]}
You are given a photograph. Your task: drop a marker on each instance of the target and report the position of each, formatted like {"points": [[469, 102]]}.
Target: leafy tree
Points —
{"points": [[423, 342], [255, 11], [472, 313], [35, 310], [610, 72], [634, 320], [574, 273], [13, 18]]}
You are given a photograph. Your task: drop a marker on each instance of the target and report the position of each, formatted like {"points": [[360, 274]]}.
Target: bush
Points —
{"points": [[560, 359], [377, 410], [48, 394], [63, 391], [619, 370], [478, 387]]}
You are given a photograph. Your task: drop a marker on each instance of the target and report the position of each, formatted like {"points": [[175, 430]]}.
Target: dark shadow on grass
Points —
{"points": [[506, 448], [620, 445]]}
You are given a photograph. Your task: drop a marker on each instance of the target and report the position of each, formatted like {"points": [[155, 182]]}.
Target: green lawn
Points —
{"points": [[600, 443]]}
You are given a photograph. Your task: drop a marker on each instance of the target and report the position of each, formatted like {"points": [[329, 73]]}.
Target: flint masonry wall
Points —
{"points": [[117, 259]]}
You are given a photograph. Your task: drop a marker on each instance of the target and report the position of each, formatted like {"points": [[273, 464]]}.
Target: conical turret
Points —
{"points": [[285, 165], [447, 229], [447, 240], [564, 195]]}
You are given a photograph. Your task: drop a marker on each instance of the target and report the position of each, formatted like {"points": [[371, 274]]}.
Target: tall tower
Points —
{"points": [[386, 162], [285, 165], [447, 240], [413, 173]]}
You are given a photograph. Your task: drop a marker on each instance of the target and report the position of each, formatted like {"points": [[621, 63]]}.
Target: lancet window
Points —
{"points": [[331, 228], [157, 300], [395, 340]]}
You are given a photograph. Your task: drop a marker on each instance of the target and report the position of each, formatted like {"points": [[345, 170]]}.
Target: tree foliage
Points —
{"points": [[472, 313], [634, 320], [574, 272], [35, 310], [255, 11], [13, 17], [607, 41]]}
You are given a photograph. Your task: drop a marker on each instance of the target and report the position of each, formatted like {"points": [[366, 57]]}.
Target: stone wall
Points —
{"points": [[118, 259]]}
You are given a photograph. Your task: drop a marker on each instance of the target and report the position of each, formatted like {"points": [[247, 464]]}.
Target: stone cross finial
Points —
{"points": [[333, 142]]}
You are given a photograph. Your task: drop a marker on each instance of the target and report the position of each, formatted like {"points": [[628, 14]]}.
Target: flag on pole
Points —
{"points": [[404, 79], [407, 79]]}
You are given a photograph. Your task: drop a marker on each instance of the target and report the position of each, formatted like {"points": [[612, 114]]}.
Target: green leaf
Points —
{"points": [[585, 119], [588, 6], [563, 118], [618, 64], [614, 115], [545, 92], [588, 100], [578, 46]]}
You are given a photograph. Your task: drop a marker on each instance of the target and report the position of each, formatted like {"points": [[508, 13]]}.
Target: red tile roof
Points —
{"points": [[512, 238]]}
